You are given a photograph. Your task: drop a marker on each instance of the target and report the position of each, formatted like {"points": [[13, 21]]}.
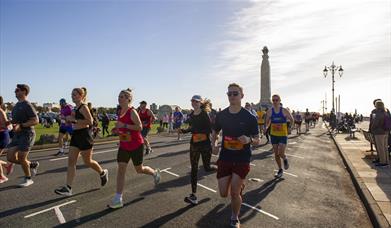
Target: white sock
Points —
{"points": [[62, 149]]}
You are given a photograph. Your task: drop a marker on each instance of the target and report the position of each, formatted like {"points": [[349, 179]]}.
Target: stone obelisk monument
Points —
{"points": [[265, 80]]}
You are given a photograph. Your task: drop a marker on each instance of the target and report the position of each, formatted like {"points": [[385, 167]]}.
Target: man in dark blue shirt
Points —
{"points": [[240, 131]]}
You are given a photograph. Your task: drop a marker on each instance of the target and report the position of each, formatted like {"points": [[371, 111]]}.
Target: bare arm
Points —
{"points": [[137, 126], [288, 115], [3, 119], [31, 122], [268, 116]]}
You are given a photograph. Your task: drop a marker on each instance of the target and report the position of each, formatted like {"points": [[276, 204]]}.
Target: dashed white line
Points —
{"points": [[252, 164], [295, 156], [261, 211], [203, 186], [291, 174], [166, 171], [59, 214], [292, 143], [57, 210]]}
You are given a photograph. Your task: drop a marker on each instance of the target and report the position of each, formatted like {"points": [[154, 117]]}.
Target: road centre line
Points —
{"points": [[295, 156], [203, 186], [56, 209], [261, 211], [291, 174], [99, 152]]}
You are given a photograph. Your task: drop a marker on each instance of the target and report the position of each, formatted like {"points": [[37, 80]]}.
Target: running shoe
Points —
{"points": [[60, 153], [116, 203], [279, 173], [3, 179], [211, 168], [26, 182], [64, 191], [34, 168], [156, 176], [235, 223], [9, 168], [192, 199], [104, 178], [286, 164]]}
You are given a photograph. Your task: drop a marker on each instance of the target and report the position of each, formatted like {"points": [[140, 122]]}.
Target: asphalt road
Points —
{"points": [[316, 191]]}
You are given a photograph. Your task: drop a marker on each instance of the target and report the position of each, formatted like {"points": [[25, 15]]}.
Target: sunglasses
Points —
{"points": [[233, 93], [195, 101], [17, 90], [275, 100]]}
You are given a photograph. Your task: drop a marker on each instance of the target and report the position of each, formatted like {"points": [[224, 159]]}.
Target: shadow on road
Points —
{"points": [[166, 218], [40, 204], [100, 214]]}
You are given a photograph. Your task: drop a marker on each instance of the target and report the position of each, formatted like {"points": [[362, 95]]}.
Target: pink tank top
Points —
{"points": [[129, 139]]}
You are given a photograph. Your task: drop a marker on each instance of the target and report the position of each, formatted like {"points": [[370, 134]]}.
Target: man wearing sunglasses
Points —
{"points": [[277, 117], [24, 118], [240, 131]]}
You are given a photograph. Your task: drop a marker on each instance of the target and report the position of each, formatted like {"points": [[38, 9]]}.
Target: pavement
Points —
{"points": [[316, 191], [373, 183]]}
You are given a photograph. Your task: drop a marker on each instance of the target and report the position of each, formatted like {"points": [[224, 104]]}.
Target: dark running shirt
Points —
{"points": [[234, 126], [22, 112], [200, 127]]}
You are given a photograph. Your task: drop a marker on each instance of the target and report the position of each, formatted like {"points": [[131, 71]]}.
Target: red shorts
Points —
{"points": [[227, 168]]}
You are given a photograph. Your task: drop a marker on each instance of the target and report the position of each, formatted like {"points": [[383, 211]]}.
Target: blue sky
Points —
{"points": [[166, 51]]}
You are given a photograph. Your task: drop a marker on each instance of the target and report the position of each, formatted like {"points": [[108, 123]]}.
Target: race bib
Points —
{"points": [[277, 128], [125, 137], [199, 137], [231, 143]]}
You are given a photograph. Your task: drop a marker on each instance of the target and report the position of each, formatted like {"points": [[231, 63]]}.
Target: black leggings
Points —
{"points": [[195, 152], [105, 129]]}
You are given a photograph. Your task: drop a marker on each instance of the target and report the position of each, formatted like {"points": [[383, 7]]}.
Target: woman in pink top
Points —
{"points": [[131, 145]]}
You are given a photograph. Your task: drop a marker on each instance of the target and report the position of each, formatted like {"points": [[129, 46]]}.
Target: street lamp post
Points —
{"points": [[333, 68]]}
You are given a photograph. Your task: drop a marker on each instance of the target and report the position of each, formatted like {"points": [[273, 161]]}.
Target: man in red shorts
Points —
{"points": [[240, 131]]}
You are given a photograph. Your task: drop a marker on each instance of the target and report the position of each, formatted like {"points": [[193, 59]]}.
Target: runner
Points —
{"points": [[200, 127], [307, 119], [240, 130], [261, 121], [279, 132], [65, 128], [177, 119], [131, 146], [147, 118], [24, 118], [81, 142], [4, 141], [298, 121]]}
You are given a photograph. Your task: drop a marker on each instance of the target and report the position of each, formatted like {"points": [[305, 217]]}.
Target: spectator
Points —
{"points": [[380, 134], [376, 160], [105, 124]]}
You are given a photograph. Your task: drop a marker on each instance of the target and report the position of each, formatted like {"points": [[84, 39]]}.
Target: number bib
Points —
{"points": [[231, 143], [199, 138], [125, 137], [279, 129]]}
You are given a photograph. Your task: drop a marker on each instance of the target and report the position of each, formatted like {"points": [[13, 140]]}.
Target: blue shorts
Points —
{"points": [[278, 139], [145, 131], [66, 129], [177, 125], [4, 139]]}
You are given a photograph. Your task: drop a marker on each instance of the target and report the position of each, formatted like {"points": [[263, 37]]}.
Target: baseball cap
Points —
{"points": [[196, 98]]}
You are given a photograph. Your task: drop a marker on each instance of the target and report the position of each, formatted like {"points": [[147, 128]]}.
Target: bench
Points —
{"points": [[369, 137]]}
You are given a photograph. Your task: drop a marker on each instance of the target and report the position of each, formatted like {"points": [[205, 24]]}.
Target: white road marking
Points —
{"points": [[261, 211], [56, 209], [292, 143], [93, 153], [252, 164], [203, 186], [59, 214], [291, 174], [166, 171], [295, 156]]}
